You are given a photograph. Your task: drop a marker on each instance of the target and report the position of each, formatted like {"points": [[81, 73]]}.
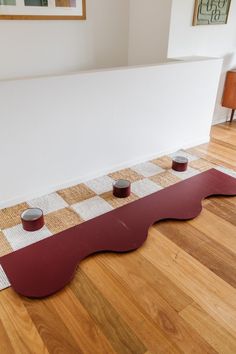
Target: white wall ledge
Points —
{"points": [[57, 131], [182, 60]]}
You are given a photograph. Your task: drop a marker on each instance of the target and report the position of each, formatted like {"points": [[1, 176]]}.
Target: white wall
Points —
{"points": [[30, 48], [214, 41], [149, 31], [57, 131]]}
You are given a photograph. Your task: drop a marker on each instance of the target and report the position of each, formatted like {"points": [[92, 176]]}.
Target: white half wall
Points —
{"points": [[213, 41], [58, 131], [149, 23], [31, 48]]}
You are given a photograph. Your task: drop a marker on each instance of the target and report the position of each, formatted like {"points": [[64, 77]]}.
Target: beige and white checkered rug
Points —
{"points": [[72, 206]]}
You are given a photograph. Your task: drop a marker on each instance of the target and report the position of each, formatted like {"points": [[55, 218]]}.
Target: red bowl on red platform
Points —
{"points": [[121, 188], [32, 219], [180, 163]]}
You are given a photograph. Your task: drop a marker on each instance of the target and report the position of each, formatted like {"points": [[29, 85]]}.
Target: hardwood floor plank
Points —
{"points": [[231, 200], [212, 293], [224, 199], [227, 126], [214, 256], [120, 335], [182, 233], [88, 336], [5, 343], [120, 298], [224, 143], [216, 335], [218, 151], [219, 260], [223, 208], [148, 274], [155, 306], [216, 228], [220, 161], [222, 135], [17, 323], [52, 330]]}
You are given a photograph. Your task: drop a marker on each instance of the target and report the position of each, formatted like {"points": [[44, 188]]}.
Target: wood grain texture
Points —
{"points": [[18, 324], [224, 209], [85, 331], [211, 292], [216, 228], [176, 294], [114, 327], [222, 135], [128, 308], [221, 148], [215, 256], [215, 334], [156, 307]]}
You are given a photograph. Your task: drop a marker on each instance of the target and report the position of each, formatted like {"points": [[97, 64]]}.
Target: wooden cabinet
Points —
{"points": [[229, 95]]}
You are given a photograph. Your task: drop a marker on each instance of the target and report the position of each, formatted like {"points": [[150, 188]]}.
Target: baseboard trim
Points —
{"points": [[219, 121]]}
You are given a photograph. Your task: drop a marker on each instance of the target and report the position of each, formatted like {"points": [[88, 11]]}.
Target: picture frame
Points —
{"points": [[211, 12], [42, 9]]}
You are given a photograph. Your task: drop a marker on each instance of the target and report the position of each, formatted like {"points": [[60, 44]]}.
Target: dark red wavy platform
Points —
{"points": [[47, 266]]}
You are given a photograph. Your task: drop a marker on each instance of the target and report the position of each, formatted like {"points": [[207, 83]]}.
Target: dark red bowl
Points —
{"points": [[121, 188], [180, 163], [32, 219]]}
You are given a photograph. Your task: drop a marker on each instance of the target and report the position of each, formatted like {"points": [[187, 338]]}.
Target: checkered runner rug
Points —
{"points": [[72, 206]]}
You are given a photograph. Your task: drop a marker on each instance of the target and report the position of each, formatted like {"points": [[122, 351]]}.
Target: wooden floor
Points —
{"points": [[177, 294]]}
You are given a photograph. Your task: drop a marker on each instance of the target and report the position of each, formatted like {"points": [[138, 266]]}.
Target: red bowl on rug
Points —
{"points": [[32, 219], [121, 188], [180, 163]]}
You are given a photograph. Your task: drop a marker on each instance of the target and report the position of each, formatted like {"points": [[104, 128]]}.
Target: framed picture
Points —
{"points": [[42, 10], [211, 12]]}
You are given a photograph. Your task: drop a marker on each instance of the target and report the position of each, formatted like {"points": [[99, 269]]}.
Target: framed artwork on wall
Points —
{"points": [[210, 12], [42, 10]]}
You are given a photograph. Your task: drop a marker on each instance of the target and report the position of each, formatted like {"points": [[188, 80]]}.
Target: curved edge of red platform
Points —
{"points": [[47, 266]]}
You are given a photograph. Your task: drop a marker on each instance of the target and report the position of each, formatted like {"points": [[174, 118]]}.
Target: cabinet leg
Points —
{"points": [[232, 115]]}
